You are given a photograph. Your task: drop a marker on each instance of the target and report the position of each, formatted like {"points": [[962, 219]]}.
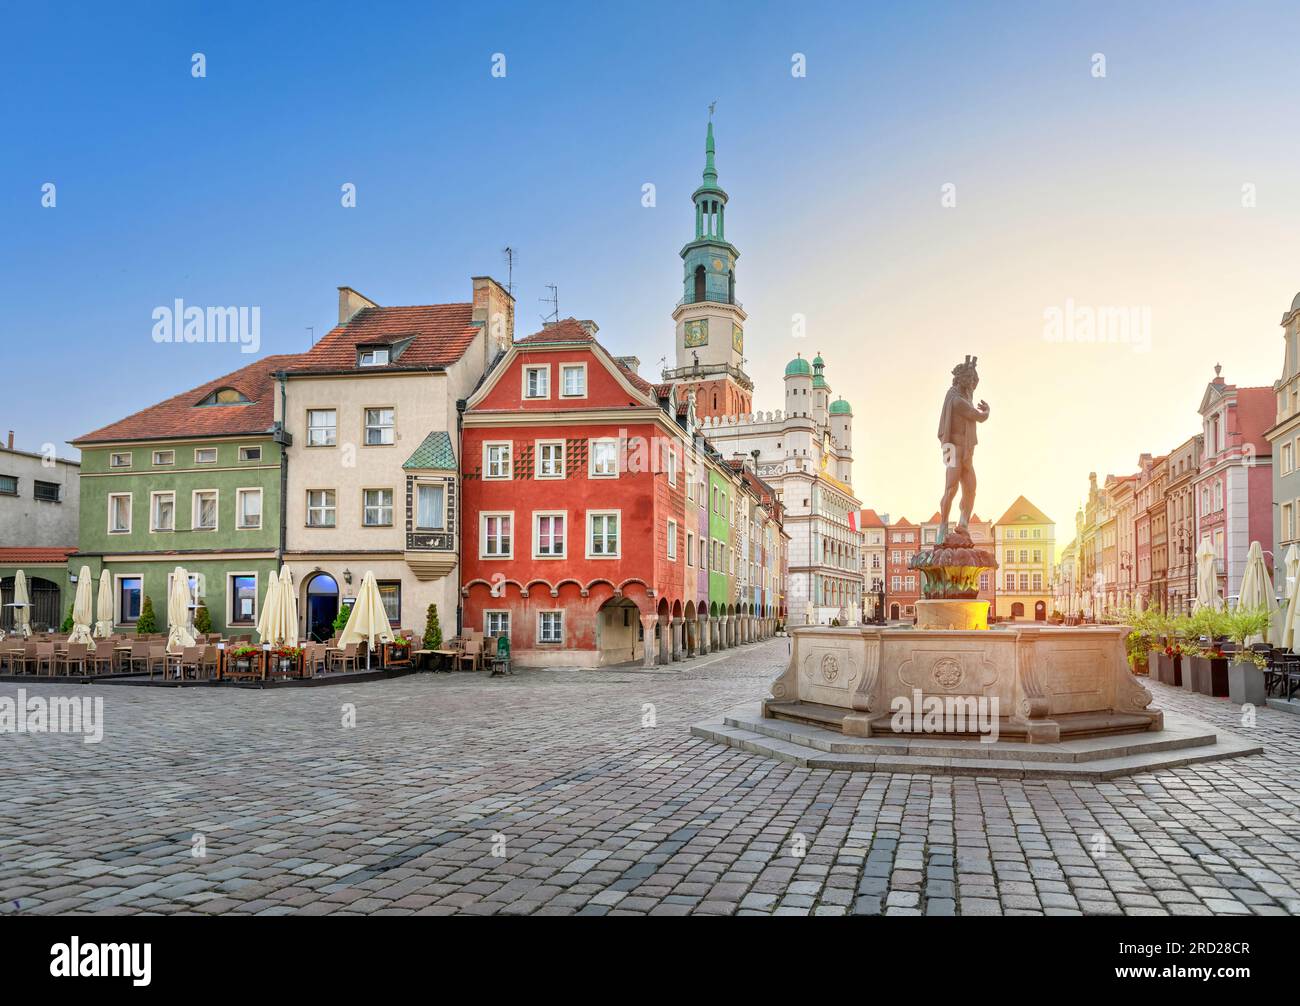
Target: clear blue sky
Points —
{"points": [[225, 190]]}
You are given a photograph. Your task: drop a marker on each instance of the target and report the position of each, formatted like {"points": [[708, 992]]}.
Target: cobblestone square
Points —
{"points": [[547, 794]]}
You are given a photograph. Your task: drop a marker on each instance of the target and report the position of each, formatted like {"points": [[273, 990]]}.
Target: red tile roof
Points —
{"points": [[439, 334], [869, 518], [183, 417], [33, 556], [572, 330]]}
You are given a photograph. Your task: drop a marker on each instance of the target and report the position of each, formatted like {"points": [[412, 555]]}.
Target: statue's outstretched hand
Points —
{"points": [[984, 407]]}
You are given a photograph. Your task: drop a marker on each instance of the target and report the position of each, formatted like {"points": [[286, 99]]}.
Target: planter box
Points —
{"points": [[1210, 676], [1246, 684], [1169, 670]]}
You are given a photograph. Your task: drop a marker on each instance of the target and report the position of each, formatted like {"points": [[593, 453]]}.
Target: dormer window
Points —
{"points": [[226, 396], [373, 356]]}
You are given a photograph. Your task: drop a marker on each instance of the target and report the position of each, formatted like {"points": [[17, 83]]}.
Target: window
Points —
{"points": [[429, 507], [495, 536], [1038, 555], [390, 593], [670, 463], [377, 507], [379, 427], [250, 454], [550, 459], [895, 583], [1024, 555], [604, 459], [129, 589], [1288, 525], [162, 512], [8, 485], [548, 535], [205, 455], [550, 627], [573, 380], [373, 356], [496, 623], [537, 382], [225, 396], [248, 508], [1038, 582], [322, 427], [46, 491], [164, 457], [496, 461], [119, 513], [690, 549], [320, 507], [205, 510], [672, 539], [1024, 581], [243, 599], [602, 535], [1011, 581], [704, 557], [122, 460]]}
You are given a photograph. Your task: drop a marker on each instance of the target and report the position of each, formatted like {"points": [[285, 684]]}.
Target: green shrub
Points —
{"points": [[202, 620], [67, 622], [341, 619], [432, 630], [147, 623]]}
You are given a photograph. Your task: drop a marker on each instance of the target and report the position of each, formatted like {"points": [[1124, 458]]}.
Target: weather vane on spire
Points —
{"points": [[712, 105]]}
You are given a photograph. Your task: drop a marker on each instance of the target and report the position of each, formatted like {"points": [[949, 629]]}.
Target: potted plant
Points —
{"points": [[1245, 669], [147, 623], [243, 656], [399, 650], [287, 660], [1208, 663], [1140, 641]]}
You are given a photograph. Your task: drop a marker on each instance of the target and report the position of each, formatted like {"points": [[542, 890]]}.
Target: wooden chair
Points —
{"points": [[157, 658], [209, 665], [472, 654], [189, 662], [74, 656], [139, 656], [340, 659], [101, 661], [40, 655]]}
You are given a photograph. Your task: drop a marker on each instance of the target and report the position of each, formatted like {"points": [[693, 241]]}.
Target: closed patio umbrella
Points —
{"points": [[82, 610], [104, 606], [1257, 588], [1293, 596], [1207, 579], [22, 606], [269, 626], [179, 632], [288, 607], [368, 620]]}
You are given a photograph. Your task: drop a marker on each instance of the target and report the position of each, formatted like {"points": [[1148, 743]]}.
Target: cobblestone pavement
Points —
{"points": [[544, 793]]}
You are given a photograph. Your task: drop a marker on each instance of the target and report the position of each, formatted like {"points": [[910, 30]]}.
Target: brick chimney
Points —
{"points": [[350, 302], [632, 363]]}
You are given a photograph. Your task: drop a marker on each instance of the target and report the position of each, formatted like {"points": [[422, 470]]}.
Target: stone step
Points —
{"points": [[944, 763]]}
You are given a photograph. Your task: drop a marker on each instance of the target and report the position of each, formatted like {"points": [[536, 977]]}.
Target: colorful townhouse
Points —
{"points": [[1180, 515], [1025, 547], [872, 526], [1284, 440], [371, 415], [902, 587], [582, 538], [1234, 486], [193, 481], [39, 525]]}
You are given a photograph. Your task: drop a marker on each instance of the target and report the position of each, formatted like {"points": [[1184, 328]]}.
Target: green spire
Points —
{"points": [[710, 172]]}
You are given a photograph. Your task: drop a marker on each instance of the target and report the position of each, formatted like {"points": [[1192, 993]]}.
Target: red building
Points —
{"points": [[577, 541], [902, 585], [1233, 489]]}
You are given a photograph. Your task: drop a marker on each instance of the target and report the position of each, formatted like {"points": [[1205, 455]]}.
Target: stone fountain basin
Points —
{"points": [[1049, 682]]}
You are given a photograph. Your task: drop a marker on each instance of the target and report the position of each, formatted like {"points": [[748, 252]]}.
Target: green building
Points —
{"points": [[721, 573], [194, 481]]}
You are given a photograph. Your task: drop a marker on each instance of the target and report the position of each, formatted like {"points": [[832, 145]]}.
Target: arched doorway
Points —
{"points": [[322, 606], [43, 595], [1017, 610], [1040, 611], [618, 631], [893, 612]]}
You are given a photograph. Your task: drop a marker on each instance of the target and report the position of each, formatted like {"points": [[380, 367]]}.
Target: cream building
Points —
{"points": [[1025, 548], [805, 452], [371, 475]]}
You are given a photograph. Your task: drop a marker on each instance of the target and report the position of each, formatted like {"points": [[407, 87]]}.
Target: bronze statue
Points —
{"points": [[958, 438]]}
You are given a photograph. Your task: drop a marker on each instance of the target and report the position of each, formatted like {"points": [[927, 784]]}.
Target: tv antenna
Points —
{"points": [[554, 301], [510, 270]]}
